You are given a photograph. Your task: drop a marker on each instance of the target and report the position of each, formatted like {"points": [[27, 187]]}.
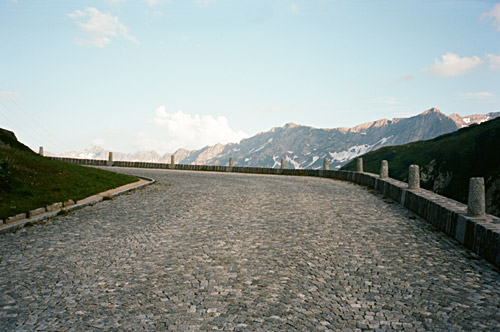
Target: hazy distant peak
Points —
{"points": [[96, 148]]}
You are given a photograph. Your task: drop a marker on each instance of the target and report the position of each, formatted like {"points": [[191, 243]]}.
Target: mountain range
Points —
{"points": [[306, 147]]}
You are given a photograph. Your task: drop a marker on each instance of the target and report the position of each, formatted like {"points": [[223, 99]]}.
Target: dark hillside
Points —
{"points": [[9, 139], [29, 181], [448, 162]]}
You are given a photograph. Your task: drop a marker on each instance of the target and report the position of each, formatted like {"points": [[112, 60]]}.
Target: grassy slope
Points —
{"points": [[466, 153], [29, 181]]}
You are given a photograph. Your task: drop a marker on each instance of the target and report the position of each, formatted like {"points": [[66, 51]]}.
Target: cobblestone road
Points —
{"points": [[207, 251]]}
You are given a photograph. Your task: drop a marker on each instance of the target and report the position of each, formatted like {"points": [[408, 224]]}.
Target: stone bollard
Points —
{"points": [[476, 202], [384, 169], [359, 165], [414, 177], [172, 161], [230, 162], [326, 165], [40, 151], [110, 159], [282, 163]]}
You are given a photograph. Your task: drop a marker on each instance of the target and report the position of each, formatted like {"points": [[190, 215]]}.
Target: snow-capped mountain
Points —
{"points": [[306, 147]]}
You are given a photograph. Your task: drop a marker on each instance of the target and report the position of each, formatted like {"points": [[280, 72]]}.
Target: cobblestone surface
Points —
{"points": [[234, 252]]}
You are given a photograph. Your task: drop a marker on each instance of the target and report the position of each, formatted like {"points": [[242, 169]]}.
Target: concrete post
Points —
{"points": [[231, 162], [359, 165], [282, 163], [414, 177], [110, 159], [326, 166], [40, 151], [476, 202], [172, 161], [384, 169]]}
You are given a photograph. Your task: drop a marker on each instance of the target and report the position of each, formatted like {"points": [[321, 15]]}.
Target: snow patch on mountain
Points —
{"points": [[295, 164], [315, 158], [356, 150]]}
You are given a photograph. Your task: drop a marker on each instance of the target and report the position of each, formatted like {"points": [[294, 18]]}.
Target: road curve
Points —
{"points": [[201, 251]]}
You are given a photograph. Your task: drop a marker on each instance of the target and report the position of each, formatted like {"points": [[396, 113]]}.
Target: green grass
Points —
{"points": [[469, 152], [29, 181]]}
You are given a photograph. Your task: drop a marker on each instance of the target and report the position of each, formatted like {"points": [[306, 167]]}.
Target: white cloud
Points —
{"points": [[477, 95], [181, 130], [494, 61], [115, 1], [99, 27], [403, 78], [151, 2], [294, 8], [9, 95], [494, 14], [203, 3], [452, 65]]}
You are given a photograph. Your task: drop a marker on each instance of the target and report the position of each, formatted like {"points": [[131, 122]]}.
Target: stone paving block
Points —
{"points": [[243, 252]]}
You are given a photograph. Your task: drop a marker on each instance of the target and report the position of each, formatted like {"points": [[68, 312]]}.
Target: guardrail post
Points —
{"points": [[282, 163], [110, 159], [359, 165], [414, 177], [476, 202], [326, 166], [384, 169], [172, 161], [40, 151]]}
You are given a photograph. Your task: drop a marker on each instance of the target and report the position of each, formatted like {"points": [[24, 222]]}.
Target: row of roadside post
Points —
{"points": [[476, 206]]}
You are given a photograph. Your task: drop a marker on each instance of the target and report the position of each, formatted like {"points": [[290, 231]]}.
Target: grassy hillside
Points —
{"points": [[448, 162], [29, 181]]}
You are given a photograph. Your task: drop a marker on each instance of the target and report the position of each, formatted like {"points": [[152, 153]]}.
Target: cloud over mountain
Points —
{"points": [[181, 130]]}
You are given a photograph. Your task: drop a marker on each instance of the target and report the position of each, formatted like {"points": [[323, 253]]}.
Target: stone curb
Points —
{"points": [[144, 181]]}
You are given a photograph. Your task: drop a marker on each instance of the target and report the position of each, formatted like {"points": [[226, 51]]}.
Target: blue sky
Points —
{"points": [[133, 75]]}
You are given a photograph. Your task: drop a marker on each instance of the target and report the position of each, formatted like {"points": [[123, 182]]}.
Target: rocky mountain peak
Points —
{"points": [[291, 125], [431, 111]]}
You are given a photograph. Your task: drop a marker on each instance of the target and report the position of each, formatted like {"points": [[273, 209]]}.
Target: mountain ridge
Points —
{"points": [[304, 146]]}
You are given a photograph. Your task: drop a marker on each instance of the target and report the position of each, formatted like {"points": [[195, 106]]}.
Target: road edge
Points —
{"points": [[143, 181]]}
